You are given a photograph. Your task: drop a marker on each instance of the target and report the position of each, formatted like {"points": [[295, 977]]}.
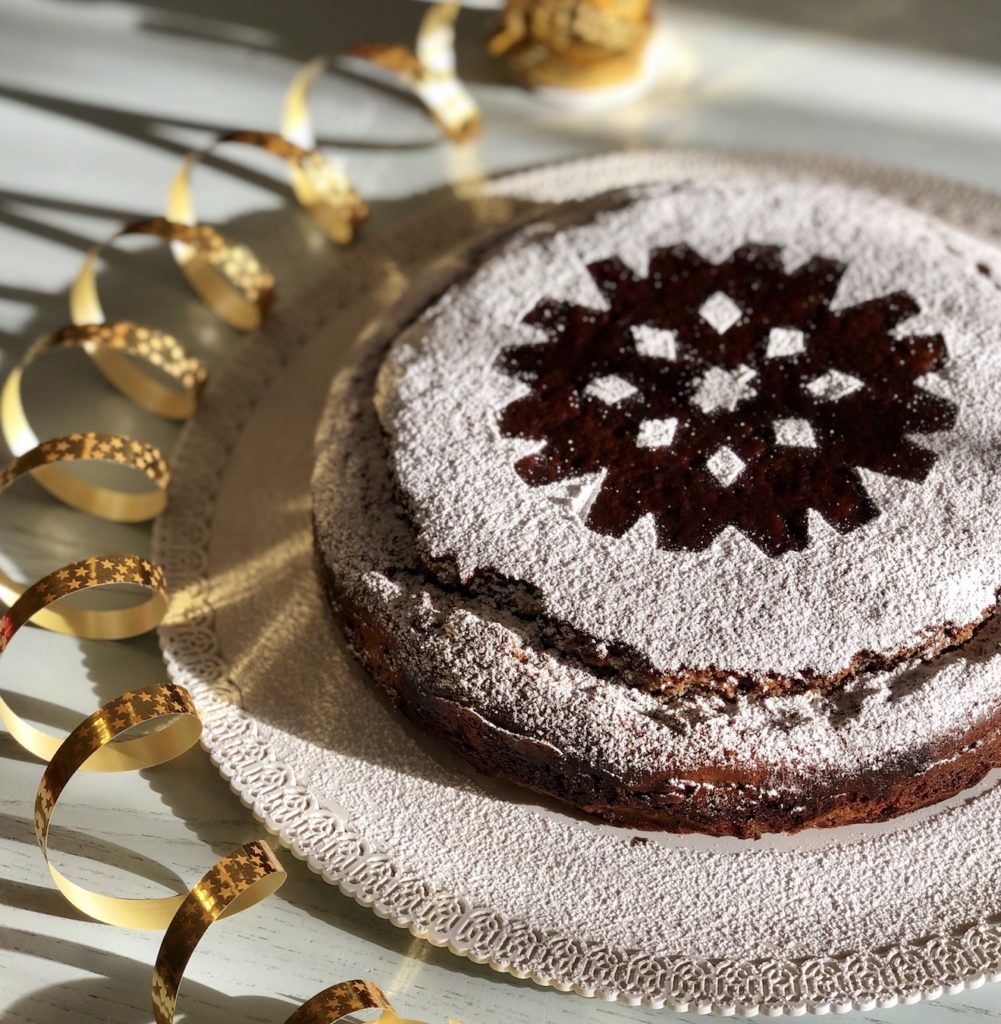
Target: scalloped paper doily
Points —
{"points": [[827, 920]]}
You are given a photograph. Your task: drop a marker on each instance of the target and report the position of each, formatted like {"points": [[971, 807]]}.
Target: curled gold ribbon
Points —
{"points": [[319, 185], [236, 882], [89, 747], [117, 349], [297, 121], [104, 624], [428, 71], [42, 461], [227, 275], [147, 365], [89, 573], [346, 997], [151, 367]]}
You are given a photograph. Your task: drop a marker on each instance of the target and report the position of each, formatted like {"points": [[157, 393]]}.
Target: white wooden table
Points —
{"points": [[97, 101]]}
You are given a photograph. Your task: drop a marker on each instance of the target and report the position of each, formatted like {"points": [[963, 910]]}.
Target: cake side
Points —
{"points": [[710, 802], [486, 681]]}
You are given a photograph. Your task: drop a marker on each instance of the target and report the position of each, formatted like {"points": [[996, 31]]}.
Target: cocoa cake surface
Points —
{"points": [[504, 647], [730, 433]]}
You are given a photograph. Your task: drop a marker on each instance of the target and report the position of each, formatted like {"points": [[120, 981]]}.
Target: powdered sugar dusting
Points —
{"points": [[611, 390], [796, 433], [721, 312], [470, 651], [725, 464], [929, 559], [655, 342], [785, 341], [833, 386], [782, 925], [657, 433], [723, 389]]}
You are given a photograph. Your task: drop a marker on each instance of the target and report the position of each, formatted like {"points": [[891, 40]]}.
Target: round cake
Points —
{"points": [[682, 508]]}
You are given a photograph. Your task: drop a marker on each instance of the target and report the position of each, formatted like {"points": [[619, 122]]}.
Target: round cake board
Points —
{"points": [[824, 920]]}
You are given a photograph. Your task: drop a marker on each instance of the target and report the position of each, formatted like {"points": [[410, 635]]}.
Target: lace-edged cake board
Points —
{"points": [[827, 920]]}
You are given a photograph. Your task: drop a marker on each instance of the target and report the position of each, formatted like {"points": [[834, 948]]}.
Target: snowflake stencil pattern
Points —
{"points": [[730, 394]]}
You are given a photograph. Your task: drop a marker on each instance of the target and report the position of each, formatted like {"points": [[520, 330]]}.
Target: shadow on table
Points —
{"points": [[121, 991], [93, 847], [37, 899]]}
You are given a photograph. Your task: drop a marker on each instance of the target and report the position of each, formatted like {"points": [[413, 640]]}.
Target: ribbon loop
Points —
{"points": [[236, 882], [429, 71], [88, 574], [340, 1000], [119, 347], [42, 463], [116, 349], [227, 275], [108, 624], [89, 747], [319, 185], [152, 368]]}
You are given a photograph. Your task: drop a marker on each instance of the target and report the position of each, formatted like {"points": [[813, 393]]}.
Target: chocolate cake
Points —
{"points": [[685, 513]]}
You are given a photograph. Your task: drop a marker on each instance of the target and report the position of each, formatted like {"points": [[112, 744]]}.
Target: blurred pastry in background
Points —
{"points": [[588, 47]]}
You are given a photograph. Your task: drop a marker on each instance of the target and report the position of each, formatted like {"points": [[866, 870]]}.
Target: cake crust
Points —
{"points": [[481, 660], [713, 803], [488, 685]]}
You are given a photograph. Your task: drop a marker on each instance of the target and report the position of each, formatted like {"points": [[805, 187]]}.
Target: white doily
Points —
{"points": [[836, 919]]}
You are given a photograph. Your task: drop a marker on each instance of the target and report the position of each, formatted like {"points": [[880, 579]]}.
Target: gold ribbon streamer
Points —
{"points": [[116, 349], [344, 998], [91, 624], [109, 624], [319, 185], [152, 368], [89, 747], [227, 275], [42, 461], [428, 71], [236, 882]]}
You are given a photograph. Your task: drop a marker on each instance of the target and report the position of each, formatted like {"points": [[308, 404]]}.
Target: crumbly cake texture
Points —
{"points": [[483, 680], [458, 549], [813, 369]]}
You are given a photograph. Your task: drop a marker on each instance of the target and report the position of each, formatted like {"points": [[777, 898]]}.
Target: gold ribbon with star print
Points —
{"points": [[144, 459], [117, 349], [92, 746], [320, 186], [150, 366], [147, 365], [154, 724], [97, 744], [102, 624], [236, 882]]}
